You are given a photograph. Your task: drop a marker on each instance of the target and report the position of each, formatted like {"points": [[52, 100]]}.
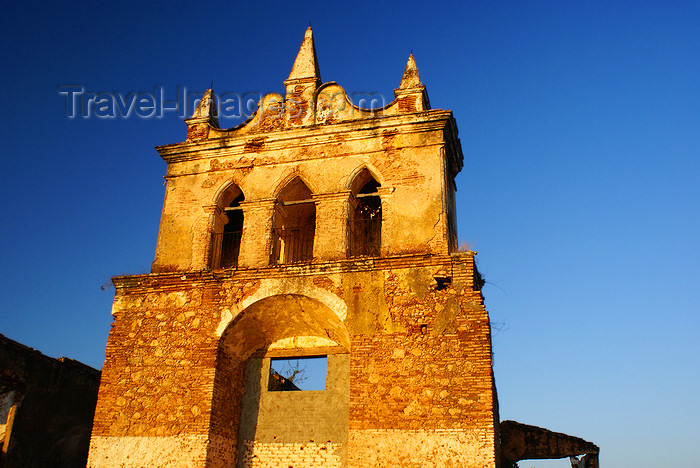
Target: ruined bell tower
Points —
{"points": [[315, 229]]}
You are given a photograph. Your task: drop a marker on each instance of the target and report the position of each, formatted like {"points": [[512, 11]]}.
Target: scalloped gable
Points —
{"points": [[308, 102]]}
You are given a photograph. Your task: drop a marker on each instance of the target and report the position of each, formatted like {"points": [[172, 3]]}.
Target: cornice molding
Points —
{"points": [[311, 135]]}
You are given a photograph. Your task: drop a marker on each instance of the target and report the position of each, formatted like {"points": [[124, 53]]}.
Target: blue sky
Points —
{"points": [[580, 127]]}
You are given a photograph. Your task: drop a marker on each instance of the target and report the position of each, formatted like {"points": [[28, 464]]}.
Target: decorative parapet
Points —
{"points": [[308, 102]]}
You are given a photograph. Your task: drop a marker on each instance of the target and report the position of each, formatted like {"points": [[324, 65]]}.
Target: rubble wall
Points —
{"points": [[46, 407], [418, 369]]}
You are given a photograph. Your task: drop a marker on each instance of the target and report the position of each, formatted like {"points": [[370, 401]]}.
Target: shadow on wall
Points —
{"points": [[46, 408]]}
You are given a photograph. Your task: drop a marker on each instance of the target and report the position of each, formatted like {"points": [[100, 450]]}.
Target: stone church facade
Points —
{"points": [[316, 228]]}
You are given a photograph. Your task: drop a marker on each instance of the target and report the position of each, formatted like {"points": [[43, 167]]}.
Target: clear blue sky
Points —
{"points": [[580, 126]]}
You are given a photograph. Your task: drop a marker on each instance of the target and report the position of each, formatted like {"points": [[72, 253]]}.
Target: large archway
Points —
{"points": [[259, 421]]}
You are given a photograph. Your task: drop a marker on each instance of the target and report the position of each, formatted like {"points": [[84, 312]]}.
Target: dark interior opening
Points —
{"points": [[366, 224], [231, 236]]}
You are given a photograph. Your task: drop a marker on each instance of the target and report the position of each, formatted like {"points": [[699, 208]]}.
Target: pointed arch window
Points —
{"points": [[365, 224], [226, 240], [294, 225]]}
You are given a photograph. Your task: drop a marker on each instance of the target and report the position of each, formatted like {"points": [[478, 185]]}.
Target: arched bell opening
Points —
{"points": [[294, 224], [228, 229], [365, 223]]}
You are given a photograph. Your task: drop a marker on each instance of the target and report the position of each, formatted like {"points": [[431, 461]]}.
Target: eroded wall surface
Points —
{"points": [[525, 442], [423, 392], [417, 362], [46, 408], [408, 160]]}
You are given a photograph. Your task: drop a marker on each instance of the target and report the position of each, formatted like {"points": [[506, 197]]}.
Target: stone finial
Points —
{"points": [[305, 66], [302, 84], [206, 107], [411, 93], [410, 77], [203, 118]]}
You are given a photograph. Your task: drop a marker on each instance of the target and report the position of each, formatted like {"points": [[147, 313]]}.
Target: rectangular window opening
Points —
{"points": [[294, 374]]}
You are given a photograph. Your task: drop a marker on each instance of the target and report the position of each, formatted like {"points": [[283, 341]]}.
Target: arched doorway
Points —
{"points": [[263, 421]]}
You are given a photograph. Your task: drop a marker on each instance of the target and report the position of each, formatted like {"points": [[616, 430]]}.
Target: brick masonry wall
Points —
{"points": [[157, 378], [182, 451], [429, 387], [271, 455], [404, 382], [225, 410], [435, 448], [164, 373], [420, 365]]}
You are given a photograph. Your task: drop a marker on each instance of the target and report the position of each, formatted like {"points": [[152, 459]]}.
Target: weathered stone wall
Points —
{"points": [[419, 365], [406, 158], [522, 441], [161, 367], [421, 448], [428, 386], [225, 410], [46, 408]]}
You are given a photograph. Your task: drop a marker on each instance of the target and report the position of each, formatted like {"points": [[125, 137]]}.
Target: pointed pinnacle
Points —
{"points": [[206, 106], [410, 77], [305, 65]]}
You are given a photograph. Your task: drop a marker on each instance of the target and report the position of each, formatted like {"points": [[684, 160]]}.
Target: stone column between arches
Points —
{"points": [[257, 230], [331, 225]]}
